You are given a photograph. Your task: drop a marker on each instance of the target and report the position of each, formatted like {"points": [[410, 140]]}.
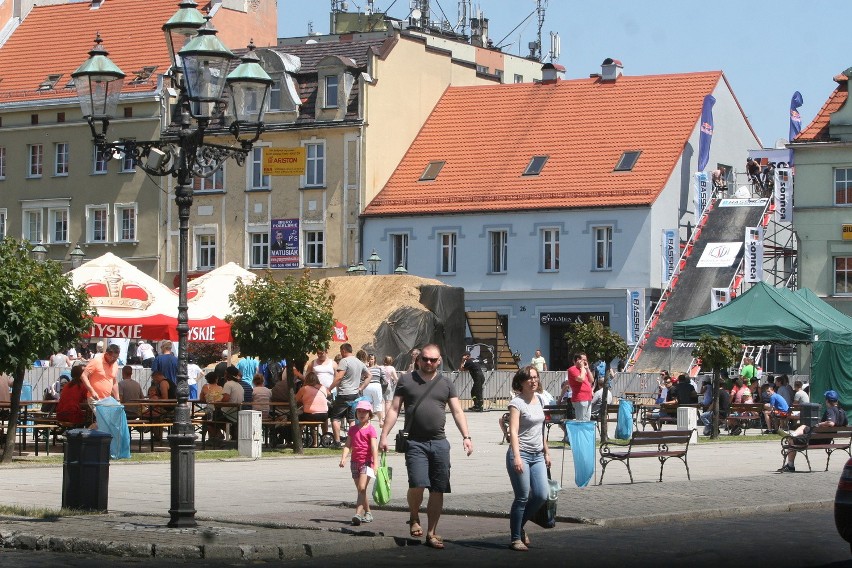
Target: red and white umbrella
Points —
{"points": [[209, 304]]}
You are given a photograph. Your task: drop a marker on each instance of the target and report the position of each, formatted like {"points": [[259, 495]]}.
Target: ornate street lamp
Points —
{"points": [[360, 270], [77, 256], [374, 260], [39, 252], [199, 76], [400, 269]]}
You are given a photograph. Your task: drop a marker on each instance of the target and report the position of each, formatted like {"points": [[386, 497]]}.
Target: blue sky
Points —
{"points": [[767, 48]]}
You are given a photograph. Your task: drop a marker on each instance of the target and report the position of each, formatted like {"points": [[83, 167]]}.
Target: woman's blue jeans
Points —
{"points": [[530, 487]]}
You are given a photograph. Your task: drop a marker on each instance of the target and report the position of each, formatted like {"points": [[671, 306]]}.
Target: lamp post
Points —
{"points": [[400, 269], [39, 252], [199, 76], [360, 270], [77, 256], [374, 260]]}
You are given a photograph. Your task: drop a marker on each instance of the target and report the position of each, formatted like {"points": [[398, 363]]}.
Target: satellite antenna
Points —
{"points": [[555, 46]]}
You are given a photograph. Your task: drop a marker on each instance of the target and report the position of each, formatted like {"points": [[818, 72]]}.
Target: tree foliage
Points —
{"points": [[40, 312], [290, 318], [598, 342], [717, 353]]}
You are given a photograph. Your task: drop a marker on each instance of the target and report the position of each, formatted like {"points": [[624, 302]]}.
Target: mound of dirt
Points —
{"points": [[363, 303]]}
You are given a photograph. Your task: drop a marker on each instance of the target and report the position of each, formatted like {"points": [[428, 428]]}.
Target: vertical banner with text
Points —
{"points": [[635, 315], [718, 298], [702, 189], [753, 260], [669, 253], [783, 195], [284, 243]]}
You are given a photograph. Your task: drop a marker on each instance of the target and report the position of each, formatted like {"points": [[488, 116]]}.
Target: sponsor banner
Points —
{"points": [[702, 193], [718, 298], [753, 259], [635, 315], [283, 161], [669, 253], [717, 255], [284, 243], [783, 195], [705, 136], [749, 202]]}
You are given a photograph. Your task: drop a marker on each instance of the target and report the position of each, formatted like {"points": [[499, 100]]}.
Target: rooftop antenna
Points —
{"points": [[535, 47], [555, 46], [464, 10]]}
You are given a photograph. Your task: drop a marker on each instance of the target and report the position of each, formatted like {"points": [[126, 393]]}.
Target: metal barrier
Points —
{"points": [[43, 377]]}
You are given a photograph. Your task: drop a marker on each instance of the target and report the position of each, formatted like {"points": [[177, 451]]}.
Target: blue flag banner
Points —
{"points": [[795, 117], [706, 134]]}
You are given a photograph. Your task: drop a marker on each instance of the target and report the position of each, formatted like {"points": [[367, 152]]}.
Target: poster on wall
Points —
{"points": [[284, 243]]}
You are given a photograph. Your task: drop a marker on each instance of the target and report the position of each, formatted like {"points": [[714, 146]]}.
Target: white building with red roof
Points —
{"points": [[547, 201]]}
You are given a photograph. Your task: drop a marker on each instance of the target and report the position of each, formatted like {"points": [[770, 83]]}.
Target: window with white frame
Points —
{"points": [[100, 161], [3, 216], [128, 162], [499, 244], [31, 225], [331, 83], [314, 164], [314, 248], [36, 160], [2, 162], [448, 252], [259, 252], [399, 251], [205, 251], [843, 186], [550, 250], [61, 167], [275, 93], [57, 225], [215, 182], [258, 180], [603, 248], [97, 223], [843, 275], [125, 219]]}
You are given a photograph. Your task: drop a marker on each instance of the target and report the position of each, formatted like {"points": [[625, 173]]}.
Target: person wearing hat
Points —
{"points": [[363, 442], [833, 415]]}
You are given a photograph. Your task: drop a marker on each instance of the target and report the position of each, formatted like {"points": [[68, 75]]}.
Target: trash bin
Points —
{"points": [[85, 470], [809, 414]]}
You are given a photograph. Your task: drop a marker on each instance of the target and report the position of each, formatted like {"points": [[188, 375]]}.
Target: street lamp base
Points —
{"points": [[182, 511]]}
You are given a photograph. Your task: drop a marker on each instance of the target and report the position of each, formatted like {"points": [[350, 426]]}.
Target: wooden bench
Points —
{"points": [[310, 433], [40, 431], [743, 416], [646, 414], [828, 438], [662, 445]]}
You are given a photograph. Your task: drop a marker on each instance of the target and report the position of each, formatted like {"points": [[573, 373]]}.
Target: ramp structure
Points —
{"points": [[711, 259]]}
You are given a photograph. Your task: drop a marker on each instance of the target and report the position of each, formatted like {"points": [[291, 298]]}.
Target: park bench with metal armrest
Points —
{"points": [[663, 445]]}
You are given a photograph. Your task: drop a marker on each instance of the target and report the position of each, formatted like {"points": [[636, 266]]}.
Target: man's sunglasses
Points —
{"points": [[429, 359]]}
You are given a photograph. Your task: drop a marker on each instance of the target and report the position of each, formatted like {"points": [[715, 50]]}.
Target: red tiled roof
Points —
{"points": [[488, 134], [817, 130], [57, 39]]}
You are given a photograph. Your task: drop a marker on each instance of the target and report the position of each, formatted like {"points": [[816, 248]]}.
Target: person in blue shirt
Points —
{"points": [[166, 362], [776, 410]]}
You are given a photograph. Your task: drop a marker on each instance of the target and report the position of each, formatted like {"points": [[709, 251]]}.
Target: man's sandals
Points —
{"points": [[434, 541], [416, 529]]}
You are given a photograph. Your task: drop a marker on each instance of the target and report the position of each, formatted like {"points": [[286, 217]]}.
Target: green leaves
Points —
{"points": [[596, 341], [717, 353]]}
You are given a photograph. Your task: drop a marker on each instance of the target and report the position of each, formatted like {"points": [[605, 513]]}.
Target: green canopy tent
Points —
{"points": [[764, 314]]}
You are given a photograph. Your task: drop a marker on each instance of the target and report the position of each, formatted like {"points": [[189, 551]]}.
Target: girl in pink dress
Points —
{"points": [[363, 442]]}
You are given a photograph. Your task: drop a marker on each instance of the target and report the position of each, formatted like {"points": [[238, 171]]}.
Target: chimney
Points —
{"points": [[611, 69], [551, 72]]}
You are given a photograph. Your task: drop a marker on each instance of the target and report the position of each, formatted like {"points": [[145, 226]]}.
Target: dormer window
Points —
{"points": [[535, 165], [49, 83], [432, 171], [142, 75], [627, 161], [331, 91]]}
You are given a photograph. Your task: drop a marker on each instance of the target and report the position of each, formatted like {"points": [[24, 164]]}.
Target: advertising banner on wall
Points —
{"points": [[669, 253], [284, 243], [783, 195], [283, 161], [753, 259], [702, 193], [718, 298], [635, 315]]}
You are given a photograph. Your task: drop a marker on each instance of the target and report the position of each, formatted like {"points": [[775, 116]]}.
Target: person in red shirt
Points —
{"points": [[69, 409], [580, 379]]}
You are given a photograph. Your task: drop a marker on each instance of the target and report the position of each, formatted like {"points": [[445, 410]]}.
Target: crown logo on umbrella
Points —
{"points": [[114, 292]]}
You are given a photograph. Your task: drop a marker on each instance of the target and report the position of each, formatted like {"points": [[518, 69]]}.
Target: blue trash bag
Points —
{"points": [[111, 418], [581, 436], [624, 426]]}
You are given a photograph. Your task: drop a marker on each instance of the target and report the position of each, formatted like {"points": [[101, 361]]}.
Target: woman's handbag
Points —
{"points": [[382, 486], [545, 517]]}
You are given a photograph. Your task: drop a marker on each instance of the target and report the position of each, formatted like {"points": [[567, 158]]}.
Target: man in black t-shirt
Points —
{"points": [[478, 379], [834, 415]]}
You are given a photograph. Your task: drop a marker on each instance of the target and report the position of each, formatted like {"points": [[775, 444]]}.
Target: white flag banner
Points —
{"points": [[718, 298], [783, 195], [669, 253], [753, 256], [635, 315], [702, 192]]}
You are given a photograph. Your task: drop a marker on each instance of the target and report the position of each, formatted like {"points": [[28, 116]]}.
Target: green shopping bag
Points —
{"points": [[382, 486]]}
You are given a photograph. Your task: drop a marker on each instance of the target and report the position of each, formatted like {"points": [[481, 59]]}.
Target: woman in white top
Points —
{"points": [[392, 378], [323, 367], [528, 457]]}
